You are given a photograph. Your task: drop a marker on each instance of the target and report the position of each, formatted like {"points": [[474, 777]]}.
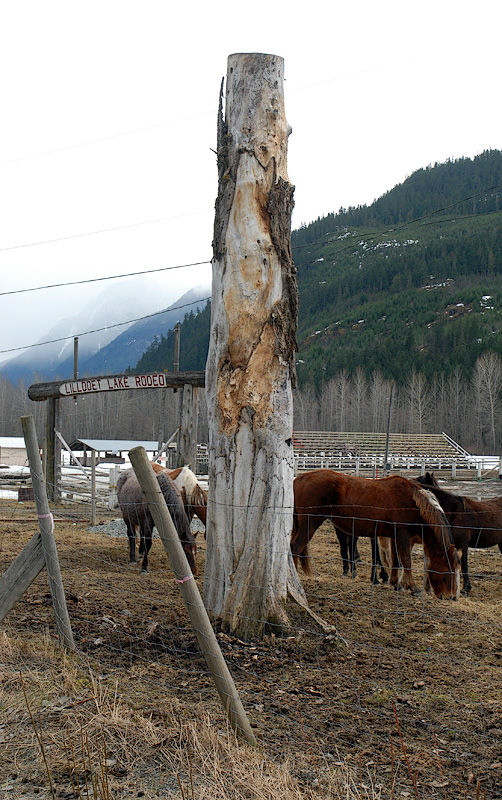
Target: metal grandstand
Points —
{"points": [[356, 450]]}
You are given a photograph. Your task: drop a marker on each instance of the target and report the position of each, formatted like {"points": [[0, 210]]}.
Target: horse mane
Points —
{"points": [[187, 479], [432, 513]]}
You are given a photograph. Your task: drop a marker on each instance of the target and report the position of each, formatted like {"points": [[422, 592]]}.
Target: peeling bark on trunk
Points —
{"points": [[250, 366]]}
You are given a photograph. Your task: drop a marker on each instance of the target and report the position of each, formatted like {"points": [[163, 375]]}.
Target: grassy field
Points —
{"points": [[405, 700]]}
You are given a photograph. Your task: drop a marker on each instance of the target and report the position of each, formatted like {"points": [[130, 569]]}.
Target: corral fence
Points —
{"points": [[358, 453], [405, 691]]}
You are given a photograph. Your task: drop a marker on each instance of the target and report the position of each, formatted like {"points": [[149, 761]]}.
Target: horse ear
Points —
{"points": [[453, 555]]}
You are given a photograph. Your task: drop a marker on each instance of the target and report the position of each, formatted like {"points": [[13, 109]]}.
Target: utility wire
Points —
{"points": [[105, 138], [105, 328], [180, 119], [106, 278], [102, 230], [404, 224]]}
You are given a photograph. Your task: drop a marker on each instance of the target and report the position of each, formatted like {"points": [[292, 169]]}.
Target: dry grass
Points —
{"points": [[412, 707], [99, 746]]}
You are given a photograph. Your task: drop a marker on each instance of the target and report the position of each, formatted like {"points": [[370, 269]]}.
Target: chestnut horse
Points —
{"points": [[393, 508], [136, 514], [194, 496], [473, 523]]}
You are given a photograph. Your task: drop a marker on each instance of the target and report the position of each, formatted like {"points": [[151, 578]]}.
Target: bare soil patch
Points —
{"points": [[404, 701]]}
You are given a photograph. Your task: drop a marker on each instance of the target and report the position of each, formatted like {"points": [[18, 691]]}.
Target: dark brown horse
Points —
{"points": [[136, 514], [350, 557], [474, 523], [393, 508]]}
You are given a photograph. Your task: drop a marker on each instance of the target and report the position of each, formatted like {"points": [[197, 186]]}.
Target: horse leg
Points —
{"points": [[393, 564], [304, 527], [403, 547], [131, 535], [377, 562], [354, 555], [146, 536], [466, 587], [344, 550]]}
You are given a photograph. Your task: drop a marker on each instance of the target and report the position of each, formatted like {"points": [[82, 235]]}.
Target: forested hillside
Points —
{"points": [[411, 283], [407, 290]]}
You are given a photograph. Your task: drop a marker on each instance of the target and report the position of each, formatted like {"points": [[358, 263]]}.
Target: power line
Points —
{"points": [[105, 327], [106, 278], [105, 138], [103, 230], [404, 224], [180, 119]]}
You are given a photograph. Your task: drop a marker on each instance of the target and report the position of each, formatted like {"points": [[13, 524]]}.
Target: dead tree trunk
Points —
{"points": [[250, 366]]}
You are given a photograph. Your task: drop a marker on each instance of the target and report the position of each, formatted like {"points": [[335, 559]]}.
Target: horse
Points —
{"points": [[135, 512], [194, 496], [389, 507], [473, 523]]}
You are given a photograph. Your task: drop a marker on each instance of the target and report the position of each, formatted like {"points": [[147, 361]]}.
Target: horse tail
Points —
{"points": [[433, 514]]}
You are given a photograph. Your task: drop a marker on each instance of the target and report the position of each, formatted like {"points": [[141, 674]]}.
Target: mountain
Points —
{"points": [[103, 351], [411, 282], [126, 349]]}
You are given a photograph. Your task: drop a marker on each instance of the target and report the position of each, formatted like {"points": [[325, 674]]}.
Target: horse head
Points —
{"points": [[427, 480], [442, 561]]}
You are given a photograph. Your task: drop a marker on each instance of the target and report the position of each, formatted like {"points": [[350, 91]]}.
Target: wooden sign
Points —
{"points": [[115, 383], [155, 380]]}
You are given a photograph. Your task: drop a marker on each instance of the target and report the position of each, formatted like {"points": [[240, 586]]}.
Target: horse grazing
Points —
{"points": [[473, 523], [194, 496], [136, 514], [393, 508]]}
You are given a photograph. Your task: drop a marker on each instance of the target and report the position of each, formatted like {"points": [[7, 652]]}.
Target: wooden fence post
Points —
{"points": [[198, 615], [46, 524], [112, 485], [188, 435], [93, 488], [53, 451]]}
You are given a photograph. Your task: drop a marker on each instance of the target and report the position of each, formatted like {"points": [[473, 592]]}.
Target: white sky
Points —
{"points": [[373, 92]]}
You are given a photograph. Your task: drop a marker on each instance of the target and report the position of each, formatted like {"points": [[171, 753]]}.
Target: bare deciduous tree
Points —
{"points": [[487, 382]]}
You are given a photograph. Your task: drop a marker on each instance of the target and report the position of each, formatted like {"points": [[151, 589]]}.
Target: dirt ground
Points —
{"points": [[407, 693]]}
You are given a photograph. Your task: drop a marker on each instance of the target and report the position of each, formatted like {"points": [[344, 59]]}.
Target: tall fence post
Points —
{"points": [[112, 487], [53, 451], [93, 488], [46, 525], [196, 610]]}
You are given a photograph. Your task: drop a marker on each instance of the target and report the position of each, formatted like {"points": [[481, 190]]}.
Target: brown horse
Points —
{"points": [[194, 496], [136, 514], [393, 508], [473, 523]]}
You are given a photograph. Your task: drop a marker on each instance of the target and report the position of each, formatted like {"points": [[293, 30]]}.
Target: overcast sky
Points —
{"points": [[109, 117]]}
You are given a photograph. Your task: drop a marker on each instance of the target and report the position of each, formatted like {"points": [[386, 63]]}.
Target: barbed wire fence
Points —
{"points": [[406, 690]]}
